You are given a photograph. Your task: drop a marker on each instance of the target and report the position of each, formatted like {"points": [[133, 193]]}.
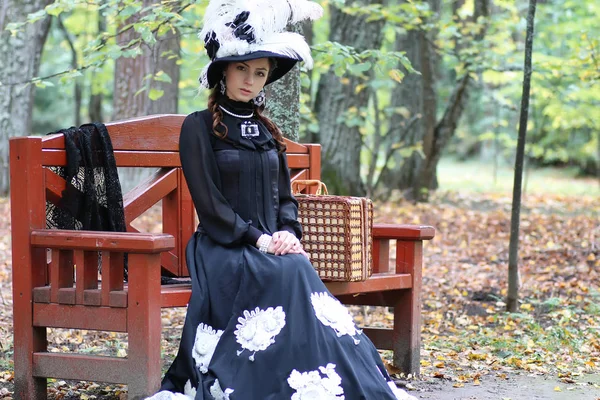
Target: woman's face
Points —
{"points": [[245, 79]]}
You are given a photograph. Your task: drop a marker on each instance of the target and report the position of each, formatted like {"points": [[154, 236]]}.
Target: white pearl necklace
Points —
{"points": [[236, 115]]}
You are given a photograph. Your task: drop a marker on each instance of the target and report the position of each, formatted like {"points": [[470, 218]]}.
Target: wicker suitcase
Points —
{"points": [[337, 233]]}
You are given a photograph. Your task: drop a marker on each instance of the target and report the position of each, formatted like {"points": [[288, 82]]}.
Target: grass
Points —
{"points": [[477, 176]]}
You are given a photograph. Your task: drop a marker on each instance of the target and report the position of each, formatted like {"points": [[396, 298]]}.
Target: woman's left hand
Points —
{"points": [[285, 242]]}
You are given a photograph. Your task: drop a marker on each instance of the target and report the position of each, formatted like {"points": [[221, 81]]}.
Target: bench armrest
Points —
{"points": [[406, 243], [127, 242], [403, 232]]}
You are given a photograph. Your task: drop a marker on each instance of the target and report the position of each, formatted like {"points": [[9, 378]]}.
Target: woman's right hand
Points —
{"points": [[285, 242]]}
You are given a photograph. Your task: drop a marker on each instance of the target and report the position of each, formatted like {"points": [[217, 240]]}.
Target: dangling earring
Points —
{"points": [[260, 98], [222, 85]]}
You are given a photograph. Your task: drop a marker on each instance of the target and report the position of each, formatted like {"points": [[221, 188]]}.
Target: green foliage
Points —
{"points": [[564, 120], [564, 114]]}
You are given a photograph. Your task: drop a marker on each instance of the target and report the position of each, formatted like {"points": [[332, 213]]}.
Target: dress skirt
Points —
{"points": [[264, 327]]}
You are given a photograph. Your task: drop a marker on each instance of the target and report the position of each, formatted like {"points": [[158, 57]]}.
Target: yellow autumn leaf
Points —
{"points": [[476, 356], [458, 385], [396, 75], [557, 389], [526, 307]]}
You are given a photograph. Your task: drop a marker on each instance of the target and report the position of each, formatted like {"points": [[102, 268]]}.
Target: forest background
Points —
{"points": [[406, 98], [396, 85]]}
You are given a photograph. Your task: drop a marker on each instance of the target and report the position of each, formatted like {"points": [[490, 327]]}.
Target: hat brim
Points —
{"points": [[284, 65]]}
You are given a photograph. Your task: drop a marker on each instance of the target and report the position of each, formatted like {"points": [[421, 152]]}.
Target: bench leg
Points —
{"points": [[26, 385], [406, 338], [144, 326]]}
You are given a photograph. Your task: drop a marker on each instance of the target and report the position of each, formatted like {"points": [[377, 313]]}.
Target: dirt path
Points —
{"points": [[516, 387]]}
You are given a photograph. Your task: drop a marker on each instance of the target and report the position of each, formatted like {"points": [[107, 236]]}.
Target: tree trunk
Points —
{"points": [[428, 112], [342, 144], [130, 74], [417, 94], [441, 134], [283, 104], [165, 55], [19, 63], [512, 300], [407, 95], [434, 146], [283, 100], [129, 79]]}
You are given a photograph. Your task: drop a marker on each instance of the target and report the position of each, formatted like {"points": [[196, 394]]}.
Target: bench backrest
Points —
{"points": [[142, 142]]}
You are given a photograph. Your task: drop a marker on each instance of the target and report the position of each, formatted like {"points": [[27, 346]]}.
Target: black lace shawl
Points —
{"points": [[92, 199]]}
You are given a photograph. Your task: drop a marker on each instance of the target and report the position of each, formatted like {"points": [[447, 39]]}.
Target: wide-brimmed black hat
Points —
{"points": [[283, 65], [245, 30]]}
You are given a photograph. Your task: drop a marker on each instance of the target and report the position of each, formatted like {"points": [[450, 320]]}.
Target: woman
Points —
{"points": [[260, 323]]}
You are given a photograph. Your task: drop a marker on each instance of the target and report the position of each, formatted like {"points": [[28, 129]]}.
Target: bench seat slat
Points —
{"points": [[376, 283], [179, 295]]}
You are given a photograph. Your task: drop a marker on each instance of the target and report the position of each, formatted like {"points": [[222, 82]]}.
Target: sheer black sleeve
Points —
{"points": [[199, 165], [288, 206]]}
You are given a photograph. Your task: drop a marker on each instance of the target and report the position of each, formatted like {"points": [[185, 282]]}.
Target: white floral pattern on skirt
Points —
{"points": [[189, 390], [312, 386], [217, 392], [334, 314], [189, 394], [399, 393], [205, 345], [257, 329]]}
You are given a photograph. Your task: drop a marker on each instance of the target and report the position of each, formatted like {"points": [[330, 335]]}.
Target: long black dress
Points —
{"points": [[258, 326]]}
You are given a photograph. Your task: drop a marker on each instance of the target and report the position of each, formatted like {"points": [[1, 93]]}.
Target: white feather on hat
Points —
{"points": [[260, 26]]}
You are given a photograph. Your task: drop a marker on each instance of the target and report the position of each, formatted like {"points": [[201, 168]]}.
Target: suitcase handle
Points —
{"points": [[321, 189]]}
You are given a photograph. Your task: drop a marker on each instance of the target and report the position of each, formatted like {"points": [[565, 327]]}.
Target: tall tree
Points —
{"points": [[283, 100], [416, 95], [156, 70], [417, 175], [135, 73], [335, 96], [436, 140], [19, 64], [513, 252]]}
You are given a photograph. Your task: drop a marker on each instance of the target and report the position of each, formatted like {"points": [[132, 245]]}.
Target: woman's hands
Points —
{"points": [[285, 242]]}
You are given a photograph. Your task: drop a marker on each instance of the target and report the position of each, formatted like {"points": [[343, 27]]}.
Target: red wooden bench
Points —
{"points": [[64, 290]]}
